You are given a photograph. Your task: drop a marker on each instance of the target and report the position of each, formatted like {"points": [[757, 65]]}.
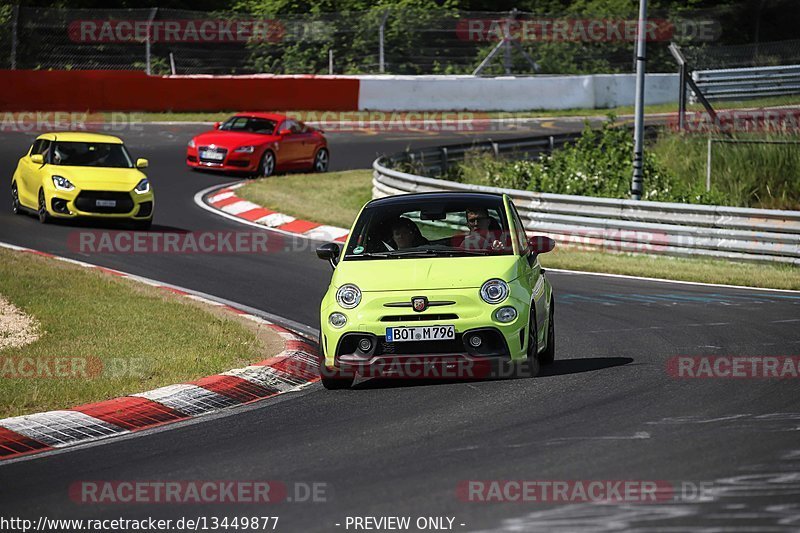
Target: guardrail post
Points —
{"points": [[552, 145], [495, 149], [444, 160]]}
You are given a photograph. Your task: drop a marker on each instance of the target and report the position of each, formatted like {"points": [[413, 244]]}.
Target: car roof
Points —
{"points": [[443, 197], [80, 136], [277, 117]]}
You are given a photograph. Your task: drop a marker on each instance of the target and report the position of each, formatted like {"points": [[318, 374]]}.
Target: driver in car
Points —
{"points": [[406, 234]]}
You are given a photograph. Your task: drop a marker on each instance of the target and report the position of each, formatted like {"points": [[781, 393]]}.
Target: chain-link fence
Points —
{"points": [[437, 40]]}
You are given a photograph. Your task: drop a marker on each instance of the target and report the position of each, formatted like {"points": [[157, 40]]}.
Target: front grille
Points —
{"points": [[419, 318], [239, 163], [87, 202], [223, 151]]}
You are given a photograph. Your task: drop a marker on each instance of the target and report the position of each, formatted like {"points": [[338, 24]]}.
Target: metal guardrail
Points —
{"points": [[743, 83], [744, 234], [437, 160]]}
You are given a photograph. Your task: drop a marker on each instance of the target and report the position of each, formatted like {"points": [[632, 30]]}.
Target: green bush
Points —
{"points": [[599, 164]]}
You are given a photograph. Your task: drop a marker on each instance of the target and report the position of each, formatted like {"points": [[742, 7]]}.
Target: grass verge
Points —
{"points": [[333, 198], [103, 337], [336, 198]]}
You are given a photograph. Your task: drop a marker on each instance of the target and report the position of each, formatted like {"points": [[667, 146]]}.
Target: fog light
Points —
{"points": [[475, 341], [60, 206], [505, 314], [337, 320], [365, 345]]}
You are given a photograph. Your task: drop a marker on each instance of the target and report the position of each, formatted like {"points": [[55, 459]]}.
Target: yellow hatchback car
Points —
{"points": [[75, 174]]}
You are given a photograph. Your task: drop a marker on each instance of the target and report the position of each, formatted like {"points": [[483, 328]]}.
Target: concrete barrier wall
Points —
{"points": [[90, 90], [419, 93]]}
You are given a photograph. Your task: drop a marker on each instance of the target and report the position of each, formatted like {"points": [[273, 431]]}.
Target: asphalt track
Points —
{"points": [[607, 410]]}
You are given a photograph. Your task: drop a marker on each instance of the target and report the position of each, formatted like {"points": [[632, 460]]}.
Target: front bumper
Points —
{"points": [[233, 162], [84, 203], [465, 311]]}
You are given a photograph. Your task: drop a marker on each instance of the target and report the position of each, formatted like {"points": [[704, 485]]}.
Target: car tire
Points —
{"points": [[549, 354], [44, 215], [332, 379], [321, 160], [266, 167], [16, 207], [531, 366]]}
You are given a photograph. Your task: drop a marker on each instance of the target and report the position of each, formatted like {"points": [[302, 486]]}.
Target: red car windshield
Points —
{"points": [[249, 125]]}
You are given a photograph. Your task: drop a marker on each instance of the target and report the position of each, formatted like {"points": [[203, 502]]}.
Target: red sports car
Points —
{"points": [[259, 144]]}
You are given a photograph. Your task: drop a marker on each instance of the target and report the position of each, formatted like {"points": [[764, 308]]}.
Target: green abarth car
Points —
{"points": [[443, 279]]}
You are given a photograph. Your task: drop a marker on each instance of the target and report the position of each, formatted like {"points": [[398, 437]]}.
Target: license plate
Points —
{"points": [[105, 203], [420, 333], [216, 156]]}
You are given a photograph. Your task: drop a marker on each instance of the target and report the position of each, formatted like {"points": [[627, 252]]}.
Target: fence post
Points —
{"points": [[147, 41], [381, 28], [172, 63], [330, 61], [637, 185], [14, 22]]}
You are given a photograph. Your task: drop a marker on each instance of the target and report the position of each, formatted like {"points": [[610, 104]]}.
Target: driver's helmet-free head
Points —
{"points": [[58, 155]]}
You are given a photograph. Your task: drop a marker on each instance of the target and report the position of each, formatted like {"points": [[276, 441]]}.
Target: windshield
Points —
{"points": [[431, 229], [86, 154], [249, 125]]}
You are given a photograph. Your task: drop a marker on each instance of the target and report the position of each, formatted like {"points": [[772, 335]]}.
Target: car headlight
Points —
{"points": [[245, 150], [505, 314], [62, 184], [494, 291], [337, 320], [142, 187], [191, 143], [348, 296]]}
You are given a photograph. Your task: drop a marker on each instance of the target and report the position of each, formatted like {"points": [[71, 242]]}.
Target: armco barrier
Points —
{"points": [[106, 90], [741, 83], [626, 225]]}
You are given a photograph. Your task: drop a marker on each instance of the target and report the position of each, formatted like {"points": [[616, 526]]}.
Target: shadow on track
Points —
{"points": [[587, 364], [558, 368]]}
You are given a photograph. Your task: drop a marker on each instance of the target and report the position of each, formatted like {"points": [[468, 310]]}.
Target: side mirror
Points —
{"points": [[142, 163], [540, 244], [284, 133], [329, 252], [37, 159], [216, 125]]}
